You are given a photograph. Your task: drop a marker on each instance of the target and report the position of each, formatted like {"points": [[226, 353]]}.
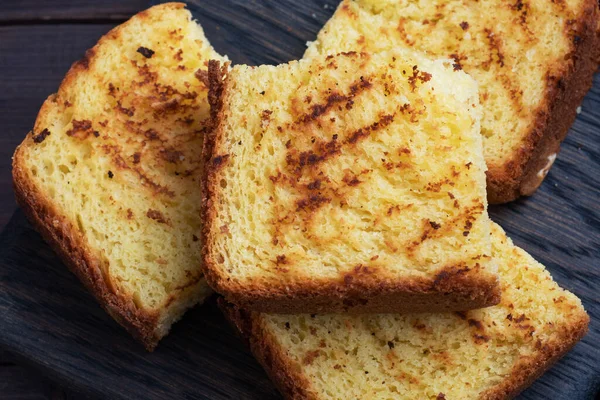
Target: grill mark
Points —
{"points": [[334, 99], [361, 133], [495, 47], [403, 34]]}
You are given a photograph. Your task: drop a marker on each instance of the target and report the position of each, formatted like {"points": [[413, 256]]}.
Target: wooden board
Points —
{"points": [[51, 322], [60, 11]]}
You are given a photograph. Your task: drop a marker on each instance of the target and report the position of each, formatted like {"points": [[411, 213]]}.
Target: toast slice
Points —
{"points": [[110, 174], [352, 182], [493, 353], [533, 61]]}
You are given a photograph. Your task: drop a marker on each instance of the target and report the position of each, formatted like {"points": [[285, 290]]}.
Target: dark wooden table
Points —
{"points": [[39, 40]]}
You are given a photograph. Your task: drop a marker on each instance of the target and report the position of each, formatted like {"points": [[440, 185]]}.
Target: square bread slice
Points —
{"points": [[352, 182], [110, 174], [493, 353], [533, 60]]}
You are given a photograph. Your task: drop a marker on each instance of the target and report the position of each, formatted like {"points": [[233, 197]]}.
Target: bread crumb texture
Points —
{"points": [[116, 152], [347, 167], [485, 353], [517, 51]]}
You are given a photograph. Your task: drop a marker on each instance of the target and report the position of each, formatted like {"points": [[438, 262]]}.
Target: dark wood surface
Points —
{"points": [[67, 338]]}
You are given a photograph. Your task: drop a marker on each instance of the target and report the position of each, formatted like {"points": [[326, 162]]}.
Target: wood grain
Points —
{"points": [[71, 339], [35, 11]]}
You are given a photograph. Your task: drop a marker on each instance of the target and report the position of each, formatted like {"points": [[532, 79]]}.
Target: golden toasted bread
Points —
{"points": [[348, 182], [492, 353], [533, 60], [110, 173]]}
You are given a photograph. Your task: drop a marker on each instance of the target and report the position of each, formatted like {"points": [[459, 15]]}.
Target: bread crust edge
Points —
{"points": [[525, 172], [527, 371], [73, 250], [289, 381]]}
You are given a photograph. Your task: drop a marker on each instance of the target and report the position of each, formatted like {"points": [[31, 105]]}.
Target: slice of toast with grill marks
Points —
{"points": [[533, 60], [493, 353], [352, 182], [110, 174]]}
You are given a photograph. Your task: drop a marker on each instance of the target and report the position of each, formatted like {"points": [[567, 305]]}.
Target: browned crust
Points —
{"points": [[454, 288], [450, 291], [293, 385], [72, 247], [64, 238], [288, 380], [527, 371], [564, 93]]}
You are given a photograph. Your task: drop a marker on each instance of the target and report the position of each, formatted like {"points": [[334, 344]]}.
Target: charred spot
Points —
{"points": [[308, 99], [418, 76], [40, 137], [475, 323], [110, 174], [171, 155], [494, 45], [266, 115], [323, 151], [351, 180], [195, 238], [435, 225], [464, 25], [219, 160], [281, 259], [146, 52], [518, 5], [451, 195], [440, 396], [178, 55], [312, 203], [391, 344], [82, 129], [129, 213], [576, 39], [314, 185], [157, 216], [112, 90], [151, 134], [127, 111], [480, 339], [287, 325], [384, 121], [333, 99], [520, 319], [458, 59], [136, 158]]}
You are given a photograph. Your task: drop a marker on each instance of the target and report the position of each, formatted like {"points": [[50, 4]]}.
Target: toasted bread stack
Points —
{"points": [[337, 203], [492, 353]]}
